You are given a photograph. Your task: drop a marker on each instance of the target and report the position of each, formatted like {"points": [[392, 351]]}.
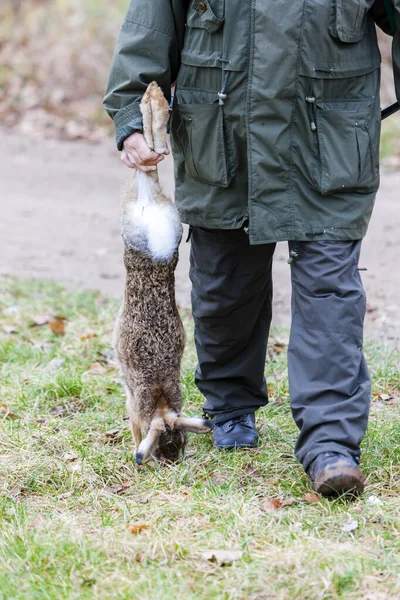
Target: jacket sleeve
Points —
{"points": [[148, 49]]}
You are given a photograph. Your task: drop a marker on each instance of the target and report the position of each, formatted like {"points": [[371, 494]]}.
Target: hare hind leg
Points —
{"points": [[134, 418]]}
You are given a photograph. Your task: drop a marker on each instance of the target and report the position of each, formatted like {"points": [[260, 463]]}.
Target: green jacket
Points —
{"points": [[276, 117]]}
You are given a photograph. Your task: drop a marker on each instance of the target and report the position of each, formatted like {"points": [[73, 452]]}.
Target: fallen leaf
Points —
{"points": [[222, 557], [119, 489], [70, 456], [17, 491], [55, 364], [57, 327], [219, 477], [139, 558], [60, 318], [279, 401], [278, 347], [374, 501], [40, 320], [76, 467], [38, 522], [66, 495], [136, 529], [370, 309], [386, 397], [349, 526], [9, 329], [143, 500], [58, 410], [113, 437], [97, 369], [88, 336], [274, 504], [11, 310], [4, 410], [312, 498]]}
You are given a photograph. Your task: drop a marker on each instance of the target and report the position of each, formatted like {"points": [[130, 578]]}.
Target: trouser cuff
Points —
{"points": [[307, 458]]}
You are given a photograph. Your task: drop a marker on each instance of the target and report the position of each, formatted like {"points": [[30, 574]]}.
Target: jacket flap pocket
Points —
{"points": [[349, 20], [339, 69], [206, 14], [348, 151], [201, 136]]}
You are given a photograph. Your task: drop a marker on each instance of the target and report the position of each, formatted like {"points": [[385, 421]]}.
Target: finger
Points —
{"points": [[135, 158], [167, 151], [146, 155], [127, 162], [145, 169]]}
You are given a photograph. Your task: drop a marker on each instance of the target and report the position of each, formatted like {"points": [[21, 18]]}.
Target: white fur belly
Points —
{"points": [[151, 226]]}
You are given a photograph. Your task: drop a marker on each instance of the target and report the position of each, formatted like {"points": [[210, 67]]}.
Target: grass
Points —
{"points": [[79, 520]]}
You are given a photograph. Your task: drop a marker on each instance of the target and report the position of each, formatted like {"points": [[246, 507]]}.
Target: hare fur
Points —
{"points": [[149, 336]]}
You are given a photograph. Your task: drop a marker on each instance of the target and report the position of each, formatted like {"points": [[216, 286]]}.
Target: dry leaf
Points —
{"points": [[136, 529], [70, 456], [17, 491], [97, 369], [312, 498], [88, 336], [75, 467], [38, 522], [9, 329], [40, 320], [370, 309], [66, 495], [4, 410], [11, 310], [374, 501], [58, 410], [113, 437], [57, 327], [219, 477], [349, 526], [278, 347], [274, 504], [279, 401], [55, 364], [222, 557], [119, 488]]}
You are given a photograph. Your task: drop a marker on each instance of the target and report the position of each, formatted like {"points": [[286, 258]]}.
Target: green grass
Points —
{"points": [[70, 492]]}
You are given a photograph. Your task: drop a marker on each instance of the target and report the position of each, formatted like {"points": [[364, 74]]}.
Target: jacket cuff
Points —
{"points": [[127, 120]]}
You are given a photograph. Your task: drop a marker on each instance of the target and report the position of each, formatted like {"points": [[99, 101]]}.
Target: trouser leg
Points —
{"points": [[231, 302], [328, 375]]}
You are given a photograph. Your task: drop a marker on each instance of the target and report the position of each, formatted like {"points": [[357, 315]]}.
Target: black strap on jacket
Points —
{"points": [[390, 15]]}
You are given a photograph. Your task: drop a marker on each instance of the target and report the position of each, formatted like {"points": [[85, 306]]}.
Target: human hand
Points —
{"points": [[137, 155]]}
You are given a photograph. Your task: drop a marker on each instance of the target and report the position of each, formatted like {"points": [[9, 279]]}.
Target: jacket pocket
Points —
{"points": [[349, 20], [201, 137], [204, 33], [206, 14], [348, 154]]}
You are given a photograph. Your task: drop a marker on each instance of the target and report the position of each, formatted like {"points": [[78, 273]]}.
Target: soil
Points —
{"points": [[60, 220]]}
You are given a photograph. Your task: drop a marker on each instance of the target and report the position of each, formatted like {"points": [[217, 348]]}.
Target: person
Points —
{"points": [[275, 134]]}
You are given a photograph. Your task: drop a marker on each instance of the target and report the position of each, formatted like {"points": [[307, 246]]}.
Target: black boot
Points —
{"points": [[239, 432], [333, 474]]}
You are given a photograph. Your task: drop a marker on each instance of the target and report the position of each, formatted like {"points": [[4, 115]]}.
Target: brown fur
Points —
{"points": [[149, 335]]}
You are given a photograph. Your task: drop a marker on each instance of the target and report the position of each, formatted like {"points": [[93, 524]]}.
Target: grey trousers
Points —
{"points": [[232, 310]]}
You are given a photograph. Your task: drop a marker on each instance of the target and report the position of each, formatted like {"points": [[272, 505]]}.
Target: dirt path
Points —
{"points": [[60, 220]]}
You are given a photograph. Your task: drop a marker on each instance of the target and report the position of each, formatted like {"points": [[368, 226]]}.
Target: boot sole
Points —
{"points": [[340, 481], [236, 446]]}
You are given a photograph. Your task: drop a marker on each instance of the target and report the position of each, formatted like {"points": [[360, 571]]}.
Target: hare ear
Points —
{"points": [[194, 425], [147, 446]]}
